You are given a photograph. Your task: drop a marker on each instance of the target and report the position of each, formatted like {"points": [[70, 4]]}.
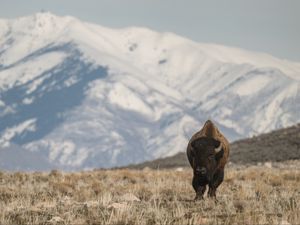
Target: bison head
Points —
{"points": [[206, 153]]}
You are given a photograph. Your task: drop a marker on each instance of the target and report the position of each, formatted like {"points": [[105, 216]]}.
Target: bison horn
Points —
{"points": [[218, 149]]}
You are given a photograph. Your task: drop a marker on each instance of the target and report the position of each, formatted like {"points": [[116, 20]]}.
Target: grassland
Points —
{"points": [[261, 194]]}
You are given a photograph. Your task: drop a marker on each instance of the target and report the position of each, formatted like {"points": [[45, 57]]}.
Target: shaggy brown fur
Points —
{"points": [[210, 130]]}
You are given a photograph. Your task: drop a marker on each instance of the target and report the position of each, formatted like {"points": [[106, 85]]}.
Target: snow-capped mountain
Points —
{"points": [[86, 96]]}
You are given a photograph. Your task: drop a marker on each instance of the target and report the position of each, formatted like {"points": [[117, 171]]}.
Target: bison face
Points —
{"points": [[206, 153]]}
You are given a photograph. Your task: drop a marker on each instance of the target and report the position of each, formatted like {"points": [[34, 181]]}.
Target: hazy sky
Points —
{"points": [[271, 26]]}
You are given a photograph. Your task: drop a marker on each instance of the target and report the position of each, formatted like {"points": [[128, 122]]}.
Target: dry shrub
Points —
{"points": [[275, 180], [55, 173], [292, 177], [64, 188], [144, 193], [97, 188], [7, 194]]}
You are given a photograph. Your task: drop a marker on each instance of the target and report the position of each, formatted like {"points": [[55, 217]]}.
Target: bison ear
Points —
{"points": [[219, 154]]}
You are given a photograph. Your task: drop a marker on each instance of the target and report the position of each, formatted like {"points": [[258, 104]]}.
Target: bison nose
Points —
{"points": [[201, 170]]}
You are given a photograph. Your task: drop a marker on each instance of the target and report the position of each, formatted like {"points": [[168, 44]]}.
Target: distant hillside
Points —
{"points": [[276, 146]]}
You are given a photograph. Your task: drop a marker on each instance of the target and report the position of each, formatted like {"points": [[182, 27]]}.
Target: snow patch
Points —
{"points": [[24, 72], [10, 133], [252, 85], [128, 99], [27, 101]]}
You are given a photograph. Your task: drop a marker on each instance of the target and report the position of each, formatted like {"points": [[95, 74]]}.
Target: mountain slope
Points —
{"points": [[88, 96], [276, 146]]}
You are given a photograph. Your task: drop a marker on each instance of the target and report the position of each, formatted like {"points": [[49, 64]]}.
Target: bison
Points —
{"points": [[207, 152]]}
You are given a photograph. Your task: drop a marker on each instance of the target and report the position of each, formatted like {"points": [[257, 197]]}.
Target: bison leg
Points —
{"points": [[217, 180], [199, 188]]}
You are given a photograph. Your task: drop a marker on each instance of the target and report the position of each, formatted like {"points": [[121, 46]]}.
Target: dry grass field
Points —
{"points": [[261, 194]]}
